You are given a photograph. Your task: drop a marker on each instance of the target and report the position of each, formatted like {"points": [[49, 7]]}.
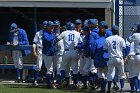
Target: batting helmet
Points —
{"points": [[70, 26]]}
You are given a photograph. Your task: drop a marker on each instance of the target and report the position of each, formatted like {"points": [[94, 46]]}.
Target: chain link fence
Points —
{"points": [[129, 15]]}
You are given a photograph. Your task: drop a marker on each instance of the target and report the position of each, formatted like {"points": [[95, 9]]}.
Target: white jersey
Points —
{"points": [[131, 45], [136, 39], [60, 47], [38, 41], [115, 44], [70, 38]]}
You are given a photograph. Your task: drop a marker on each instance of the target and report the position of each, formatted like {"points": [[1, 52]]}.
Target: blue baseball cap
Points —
{"points": [[44, 23], [50, 23], [103, 24], [115, 29], [78, 21], [86, 22], [85, 28], [13, 26], [93, 21], [56, 22]]}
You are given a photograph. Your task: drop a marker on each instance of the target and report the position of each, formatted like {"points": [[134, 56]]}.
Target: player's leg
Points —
{"points": [[74, 66], [92, 74], [110, 73], [132, 73], [137, 70], [120, 67], [38, 68], [49, 66], [20, 64], [82, 72], [102, 78], [59, 61]]}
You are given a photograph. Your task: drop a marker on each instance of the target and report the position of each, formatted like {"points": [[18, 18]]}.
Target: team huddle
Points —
{"points": [[87, 54]]}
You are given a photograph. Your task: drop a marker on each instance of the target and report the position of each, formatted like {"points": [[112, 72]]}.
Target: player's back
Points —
{"points": [[71, 39], [115, 46], [136, 39]]}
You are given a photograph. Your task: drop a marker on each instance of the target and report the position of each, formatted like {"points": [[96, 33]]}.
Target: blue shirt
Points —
{"points": [[101, 56], [95, 33], [22, 40], [95, 30], [48, 43], [108, 33], [87, 46]]}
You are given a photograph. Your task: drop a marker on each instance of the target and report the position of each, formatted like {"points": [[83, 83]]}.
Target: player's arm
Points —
{"points": [[35, 45], [61, 36], [105, 46], [132, 38], [24, 38]]}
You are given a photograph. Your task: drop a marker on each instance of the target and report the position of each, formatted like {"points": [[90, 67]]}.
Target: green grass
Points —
{"points": [[29, 89]]}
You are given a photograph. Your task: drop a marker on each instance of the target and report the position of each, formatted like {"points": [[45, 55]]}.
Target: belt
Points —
{"points": [[137, 54], [69, 49]]}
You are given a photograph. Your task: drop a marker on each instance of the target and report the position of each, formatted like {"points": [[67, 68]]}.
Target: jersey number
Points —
{"points": [[71, 37], [114, 44]]}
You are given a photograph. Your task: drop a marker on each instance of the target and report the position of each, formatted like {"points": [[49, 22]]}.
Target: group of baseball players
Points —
{"points": [[87, 54]]}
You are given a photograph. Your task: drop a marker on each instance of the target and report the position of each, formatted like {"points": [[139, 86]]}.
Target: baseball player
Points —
{"points": [[101, 57], [37, 51], [115, 45], [18, 36], [131, 66], [94, 30], [59, 49], [107, 34], [78, 24], [93, 25], [136, 39], [48, 38], [70, 39]]}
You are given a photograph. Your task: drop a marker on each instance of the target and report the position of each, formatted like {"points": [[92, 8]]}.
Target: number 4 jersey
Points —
{"points": [[115, 45], [70, 38]]}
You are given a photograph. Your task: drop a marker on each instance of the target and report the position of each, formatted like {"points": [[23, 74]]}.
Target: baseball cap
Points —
{"points": [[115, 29], [85, 28], [56, 22], [13, 26], [78, 21], [44, 23], [103, 24], [86, 22], [93, 21], [50, 23]]}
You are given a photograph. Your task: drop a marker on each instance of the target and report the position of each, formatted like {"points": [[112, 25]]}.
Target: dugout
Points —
{"points": [[30, 14]]}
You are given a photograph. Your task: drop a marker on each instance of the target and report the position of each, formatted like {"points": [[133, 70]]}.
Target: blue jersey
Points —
{"points": [[94, 33], [48, 43], [101, 56], [87, 45], [22, 40], [95, 30], [108, 33]]}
